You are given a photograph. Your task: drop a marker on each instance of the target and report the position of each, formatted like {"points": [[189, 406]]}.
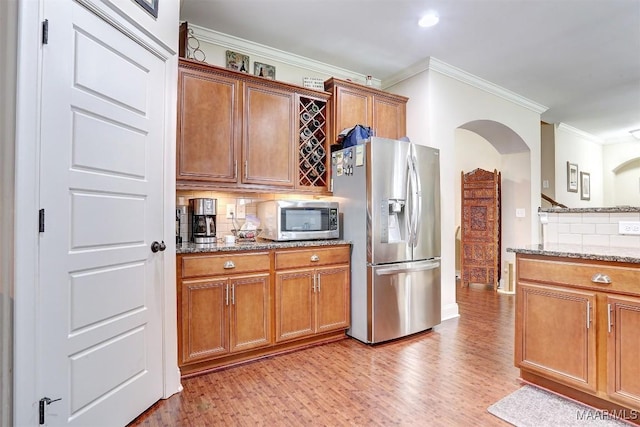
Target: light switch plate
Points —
{"points": [[520, 213]]}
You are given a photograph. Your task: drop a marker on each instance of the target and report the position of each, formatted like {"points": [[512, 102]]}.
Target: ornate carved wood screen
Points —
{"points": [[480, 237]]}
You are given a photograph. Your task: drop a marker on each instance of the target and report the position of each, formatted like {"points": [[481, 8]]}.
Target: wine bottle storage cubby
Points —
{"points": [[313, 140]]}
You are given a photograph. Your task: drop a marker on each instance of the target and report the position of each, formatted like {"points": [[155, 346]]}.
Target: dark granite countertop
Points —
{"points": [[609, 209], [598, 253], [260, 244]]}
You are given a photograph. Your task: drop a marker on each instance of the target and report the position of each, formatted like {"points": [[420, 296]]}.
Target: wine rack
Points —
{"points": [[313, 142]]}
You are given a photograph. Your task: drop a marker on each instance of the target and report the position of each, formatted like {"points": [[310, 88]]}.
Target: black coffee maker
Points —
{"points": [[202, 218]]}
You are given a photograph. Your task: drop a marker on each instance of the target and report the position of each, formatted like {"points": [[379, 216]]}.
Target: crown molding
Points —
{"points": [[434, 64], [577, 132], [431, 63], [252, 48]]}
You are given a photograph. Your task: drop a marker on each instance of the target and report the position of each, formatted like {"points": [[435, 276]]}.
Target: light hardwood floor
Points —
{"points": [[444, 377]]}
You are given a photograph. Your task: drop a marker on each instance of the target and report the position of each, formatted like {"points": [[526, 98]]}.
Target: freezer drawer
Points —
{"points": [[405, 299]]}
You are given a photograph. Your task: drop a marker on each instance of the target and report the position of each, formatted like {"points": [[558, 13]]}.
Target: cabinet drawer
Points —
{"points": [[312, 257], [211, 265], [623, 278]]}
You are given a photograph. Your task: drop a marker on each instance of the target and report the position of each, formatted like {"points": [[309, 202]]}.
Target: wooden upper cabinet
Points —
{"points": [[268, 144], [389, 120], [354, 104], [248, 133], [352, 107], [208, 126]]}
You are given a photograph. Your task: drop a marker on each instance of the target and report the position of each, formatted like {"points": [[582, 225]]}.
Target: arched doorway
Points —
{"points": [[491, 145], [626, 183]]}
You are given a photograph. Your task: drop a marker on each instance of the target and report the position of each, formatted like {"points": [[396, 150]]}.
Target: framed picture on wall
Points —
{"points": [[572, 177], [585, 186], [150, 6]]}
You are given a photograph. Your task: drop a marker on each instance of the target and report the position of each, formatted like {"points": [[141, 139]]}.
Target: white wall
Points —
{"points": [[626, 189], [621, 174], [548, 155], [8, 44], [290, 68], [575, 147]]}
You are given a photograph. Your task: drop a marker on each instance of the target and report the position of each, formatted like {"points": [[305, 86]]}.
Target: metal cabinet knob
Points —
{"points": [[315, 258]]}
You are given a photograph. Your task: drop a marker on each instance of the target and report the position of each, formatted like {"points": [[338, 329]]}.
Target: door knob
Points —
{"points": [[155, 246]]}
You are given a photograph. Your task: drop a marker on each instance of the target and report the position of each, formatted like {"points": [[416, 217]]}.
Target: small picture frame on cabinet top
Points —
{"points": [[264, 70], [237, 61]]}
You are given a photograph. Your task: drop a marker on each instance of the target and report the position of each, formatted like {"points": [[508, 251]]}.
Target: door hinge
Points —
{"points": [[45, 401], [45, 31], [41, 221]]}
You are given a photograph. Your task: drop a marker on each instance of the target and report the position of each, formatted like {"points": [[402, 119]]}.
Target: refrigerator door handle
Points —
{"points": [[409, 204], [417, 194], [407, 267], [413, 197]]}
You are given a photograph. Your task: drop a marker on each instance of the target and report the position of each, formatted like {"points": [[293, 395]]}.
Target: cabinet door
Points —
{"points": [[623, 350], [250, 313], [208, 127], [294, 304], [204, 322], [556, 334], [389, 118], [332, 297], [268, 140], [352, 108]]}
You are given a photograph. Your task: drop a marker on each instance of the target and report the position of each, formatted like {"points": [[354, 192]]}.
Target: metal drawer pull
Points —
{"points": [[315, 258], [609, 318], [601, 278], [229, 264]]}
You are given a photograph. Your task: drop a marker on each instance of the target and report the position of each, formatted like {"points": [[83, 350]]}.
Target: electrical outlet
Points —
{"points": [[231, 211], [629, 227]]}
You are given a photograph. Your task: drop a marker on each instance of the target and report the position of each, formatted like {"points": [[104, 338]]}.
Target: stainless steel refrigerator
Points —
{"points": [[389, 195]]}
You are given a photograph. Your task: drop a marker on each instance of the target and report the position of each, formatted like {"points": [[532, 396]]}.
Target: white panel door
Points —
{"points": [[99, 306]]}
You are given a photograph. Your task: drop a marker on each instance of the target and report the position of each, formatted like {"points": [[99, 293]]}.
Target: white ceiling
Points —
{"points": [[579, 58]]}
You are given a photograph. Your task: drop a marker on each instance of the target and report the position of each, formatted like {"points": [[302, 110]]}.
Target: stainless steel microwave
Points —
{"points": [[298, 220]]}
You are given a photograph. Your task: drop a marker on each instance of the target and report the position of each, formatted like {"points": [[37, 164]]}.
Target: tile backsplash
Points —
{"points": [[589, 228], [224, 225]]}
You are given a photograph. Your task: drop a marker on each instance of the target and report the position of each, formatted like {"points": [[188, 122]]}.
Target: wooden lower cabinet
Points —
{"points": [[230, 311], [577, 329], [224, 315], [558, 335], [623, 350], [311, 301]]}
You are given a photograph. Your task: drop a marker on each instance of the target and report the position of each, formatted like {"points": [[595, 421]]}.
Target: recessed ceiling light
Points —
{"points": [[429, 20], [635, 133]]}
